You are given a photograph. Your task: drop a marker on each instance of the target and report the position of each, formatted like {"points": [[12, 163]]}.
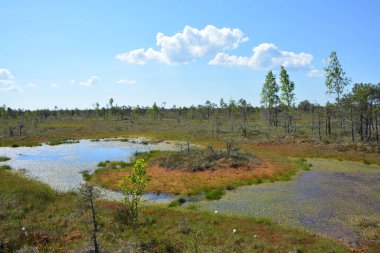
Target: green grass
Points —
{"points": [[11, 143], [214, 194], [5, 167], [147, 156], [367, 162], [53, 222], [86, 175], [257, 181], [177, 202], [4, 158], [303, 165], [60, 142]]}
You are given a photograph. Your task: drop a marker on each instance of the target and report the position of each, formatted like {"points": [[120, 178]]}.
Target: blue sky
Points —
{"points": [[76, 53]]}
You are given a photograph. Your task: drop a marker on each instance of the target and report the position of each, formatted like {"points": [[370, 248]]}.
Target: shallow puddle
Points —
{"points": [[60, 166]]}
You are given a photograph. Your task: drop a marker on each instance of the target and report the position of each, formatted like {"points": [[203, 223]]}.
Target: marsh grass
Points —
{"points": [[5, 167], [51, 222], [4, 158], [181, 180], [214, 194], [86, 175], [367, 162], [207, 159], [303, 164], [60, 142], [147, 156], [177, 202]]}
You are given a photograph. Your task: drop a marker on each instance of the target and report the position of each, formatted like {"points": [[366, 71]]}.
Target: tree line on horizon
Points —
{"points": [[355, 112]]}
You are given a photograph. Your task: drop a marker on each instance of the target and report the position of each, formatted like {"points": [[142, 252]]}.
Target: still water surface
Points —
{"points": [[60, 166]]}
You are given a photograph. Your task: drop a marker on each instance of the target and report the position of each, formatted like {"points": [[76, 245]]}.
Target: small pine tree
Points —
{"points": [[133, 187], [269, 94], [336, 79]]}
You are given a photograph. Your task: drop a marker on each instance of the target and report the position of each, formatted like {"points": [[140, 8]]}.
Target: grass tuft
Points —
{"points": [[177, 202], [214, 194], [367, 162], [5, 167], [86, 175], [4, 158]]}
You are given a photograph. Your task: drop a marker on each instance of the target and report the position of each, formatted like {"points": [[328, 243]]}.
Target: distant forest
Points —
{"points": [[352, 118]]}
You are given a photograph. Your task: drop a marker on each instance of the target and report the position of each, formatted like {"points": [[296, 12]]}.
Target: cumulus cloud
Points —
{"points": [[7, 83], [126, 81], [186, 46], [5, 75], [315, 73], [91, 81], [265, 56], [54, 85], [11, 88]]}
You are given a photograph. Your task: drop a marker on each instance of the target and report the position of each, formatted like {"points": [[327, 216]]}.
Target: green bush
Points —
{"points": [[214, 194]]}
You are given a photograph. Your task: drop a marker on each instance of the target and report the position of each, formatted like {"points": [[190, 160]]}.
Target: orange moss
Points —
{"points": [[177, 181]]}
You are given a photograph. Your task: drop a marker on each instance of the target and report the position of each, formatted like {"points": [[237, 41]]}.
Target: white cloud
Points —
{"points": [[7, 82], [265, 56], [11, 88], [54, 85], [126, 81], [91, 81], [315, 73], [72, 81], [187, 45], [6, 77], [32, 85], [5, 74]]}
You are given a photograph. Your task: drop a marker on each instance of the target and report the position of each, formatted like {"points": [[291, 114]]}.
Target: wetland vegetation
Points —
{"points": [[276, 168], [212, 167]]}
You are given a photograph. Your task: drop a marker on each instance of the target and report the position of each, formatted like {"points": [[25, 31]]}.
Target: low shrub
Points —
{"points": [[206, 159], [214, 194]]}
